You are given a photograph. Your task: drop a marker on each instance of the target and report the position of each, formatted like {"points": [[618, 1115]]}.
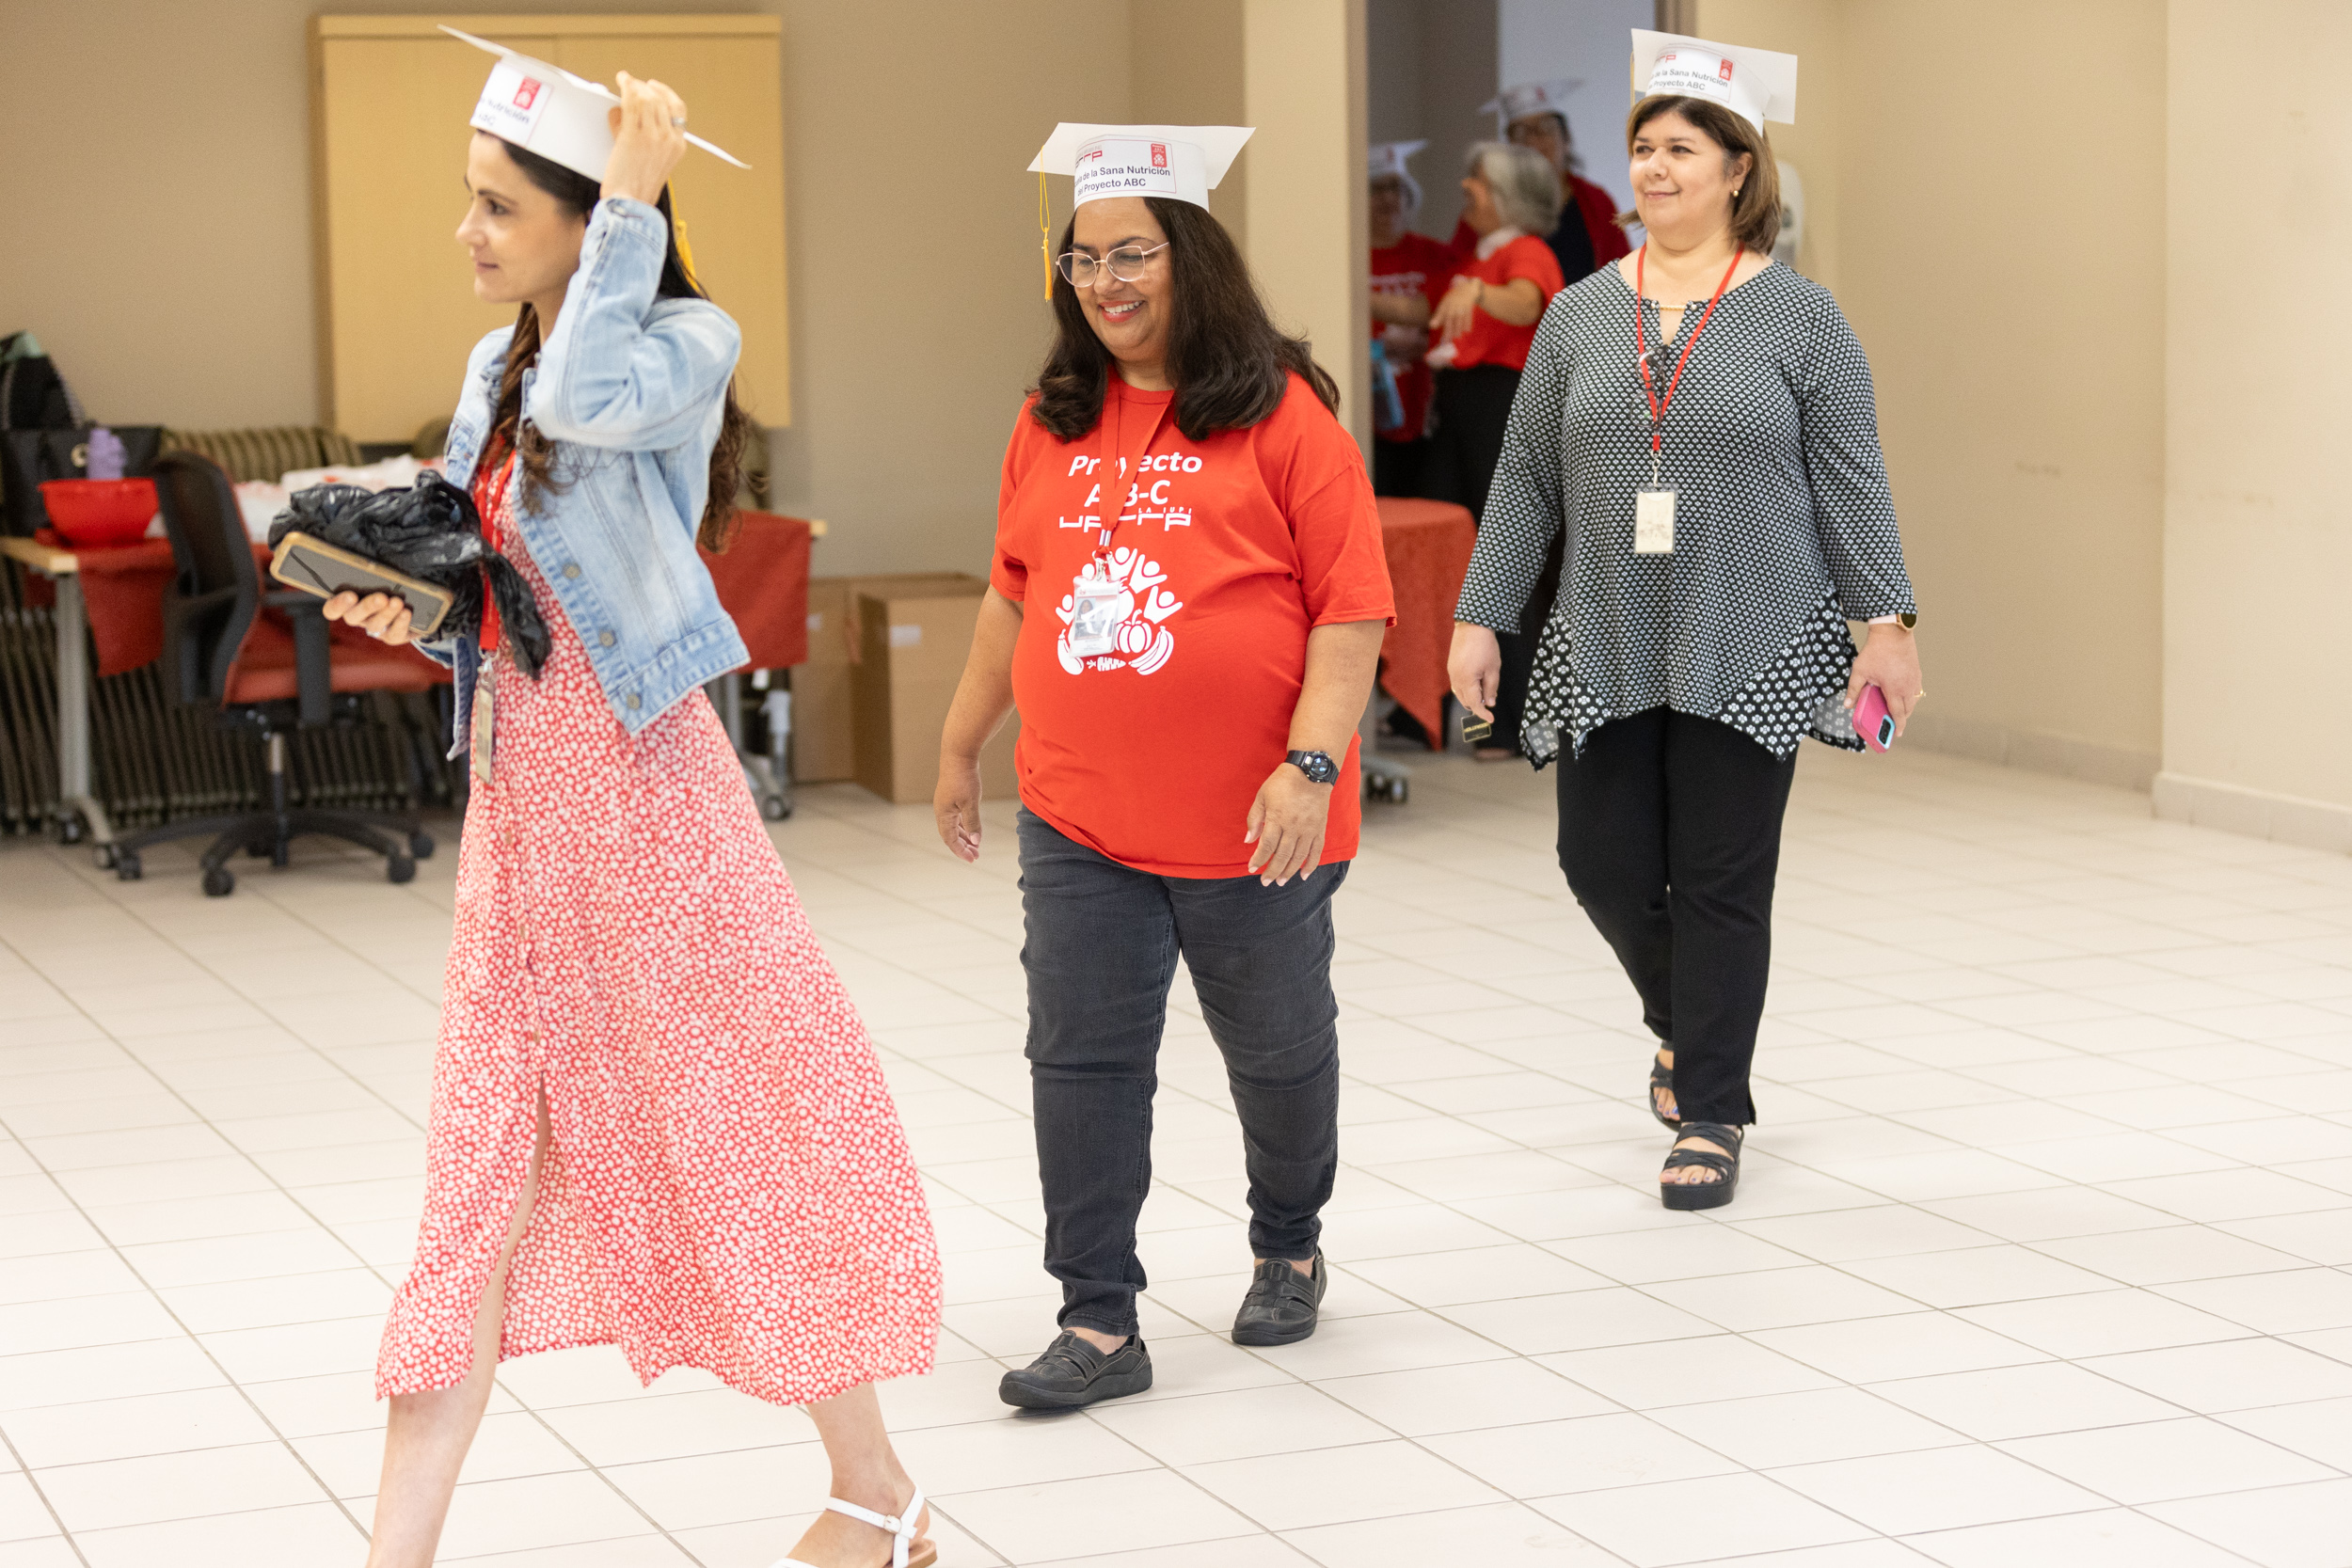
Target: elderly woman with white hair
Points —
{"points": [[1511, 199]]}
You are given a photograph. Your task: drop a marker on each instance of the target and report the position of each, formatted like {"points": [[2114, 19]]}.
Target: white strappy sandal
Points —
{"points": [[900, 1526]]}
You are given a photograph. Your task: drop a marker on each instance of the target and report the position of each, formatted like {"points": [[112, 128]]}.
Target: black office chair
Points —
{"points": [[267, 661]]}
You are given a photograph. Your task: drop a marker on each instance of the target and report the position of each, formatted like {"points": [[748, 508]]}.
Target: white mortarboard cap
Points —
{"points": [[545, 109], [1756, 85], [1386, 160], [1182, 161], [1388, 157], [1547, 97]]}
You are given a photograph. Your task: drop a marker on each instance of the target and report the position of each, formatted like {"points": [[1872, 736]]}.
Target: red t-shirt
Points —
{"points": [[1488, 340], [1416, 264], [1227, 553]]}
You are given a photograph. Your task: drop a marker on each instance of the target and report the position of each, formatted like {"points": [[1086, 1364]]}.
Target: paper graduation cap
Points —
{"points": [[1756, 85], [1547, 97], [545, 109], [1185, 162], [1387, 159]]}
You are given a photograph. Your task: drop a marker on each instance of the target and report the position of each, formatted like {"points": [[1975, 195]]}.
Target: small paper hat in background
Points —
{"points": [[1547, 97], [545, 109], [1181, 161], [1756, 85], [1386, 160]]}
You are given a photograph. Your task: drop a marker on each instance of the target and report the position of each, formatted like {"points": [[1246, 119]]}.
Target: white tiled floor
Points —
{"points": [[2043, 1255]]}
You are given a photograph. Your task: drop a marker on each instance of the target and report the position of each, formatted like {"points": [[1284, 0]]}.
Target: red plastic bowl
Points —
{"points": [[94, 513]]}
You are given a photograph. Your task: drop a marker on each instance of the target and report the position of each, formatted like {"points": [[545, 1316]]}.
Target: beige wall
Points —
{"points": [[1994, 230], [2258, 536]]}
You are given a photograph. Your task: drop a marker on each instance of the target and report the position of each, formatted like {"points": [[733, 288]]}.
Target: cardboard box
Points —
{"points": [[914, 641], [824, 729]]}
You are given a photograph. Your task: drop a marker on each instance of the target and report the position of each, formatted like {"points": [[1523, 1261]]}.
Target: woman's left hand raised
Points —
{"points": [[1890, 661], [648, 139], [1287, 822]]}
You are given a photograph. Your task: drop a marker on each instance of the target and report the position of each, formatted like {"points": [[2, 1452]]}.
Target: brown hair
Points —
{"points": [[1755, 210], [1229, 361], [534, 453]]}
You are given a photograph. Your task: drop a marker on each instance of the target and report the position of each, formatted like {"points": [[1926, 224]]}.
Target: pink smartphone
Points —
{"points": [[1871, 722]]}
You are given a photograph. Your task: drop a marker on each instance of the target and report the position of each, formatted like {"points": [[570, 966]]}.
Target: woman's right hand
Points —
{"points": [[382, 616], [648, 139], [957, 805], [1474, 668]]}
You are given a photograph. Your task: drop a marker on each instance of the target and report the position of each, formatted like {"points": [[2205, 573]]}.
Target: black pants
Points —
{"points": [[1473, 408], [1670, 837], [1397, 466], [1102, 942]]}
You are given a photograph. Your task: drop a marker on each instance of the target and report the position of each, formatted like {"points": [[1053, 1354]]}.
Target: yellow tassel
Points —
{"points": [[685, 250], [1045, 236]]}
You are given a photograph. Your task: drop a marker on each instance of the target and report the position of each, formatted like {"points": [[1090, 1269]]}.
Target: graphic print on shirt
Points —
{"points": [[1115, 615]]}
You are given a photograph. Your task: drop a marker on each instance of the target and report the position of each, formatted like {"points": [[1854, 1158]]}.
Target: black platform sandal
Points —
{"points": [[1704, 1195], [1661, 1077]]}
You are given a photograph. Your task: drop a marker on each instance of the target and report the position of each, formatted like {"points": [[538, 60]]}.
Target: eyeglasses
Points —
{"points": [[1126, 263]]}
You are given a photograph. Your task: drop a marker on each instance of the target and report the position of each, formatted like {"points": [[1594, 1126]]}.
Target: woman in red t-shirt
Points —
{"points": [[1484, 325], [1409, 274], [1187, 602]]}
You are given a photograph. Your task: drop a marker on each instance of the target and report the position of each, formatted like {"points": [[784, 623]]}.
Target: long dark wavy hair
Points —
{"points": [[576, 194], [1229, 361]]}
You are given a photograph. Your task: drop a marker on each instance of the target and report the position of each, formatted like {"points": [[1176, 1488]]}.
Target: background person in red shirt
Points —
{"points": [[1484, 325], [1409, 273], [1187, 602], [1587, 236]]}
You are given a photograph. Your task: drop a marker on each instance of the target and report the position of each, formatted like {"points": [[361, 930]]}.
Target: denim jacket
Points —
{"points": [[632, 386]]}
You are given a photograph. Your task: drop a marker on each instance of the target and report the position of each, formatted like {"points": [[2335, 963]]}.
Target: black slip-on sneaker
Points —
{"points": [[1072, 1373], [1283, 1305]]}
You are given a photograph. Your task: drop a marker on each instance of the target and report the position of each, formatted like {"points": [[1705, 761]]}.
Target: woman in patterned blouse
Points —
{"points": [[1681, 665]]}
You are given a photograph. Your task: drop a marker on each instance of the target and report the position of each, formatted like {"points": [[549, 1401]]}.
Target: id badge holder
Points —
{"points": [[484, 724], [1095, 623], [1654, 520]]}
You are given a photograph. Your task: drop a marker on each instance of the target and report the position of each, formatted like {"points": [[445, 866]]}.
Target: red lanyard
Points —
{"points": [[1112, 493], [1658, 405], [489, 496]]}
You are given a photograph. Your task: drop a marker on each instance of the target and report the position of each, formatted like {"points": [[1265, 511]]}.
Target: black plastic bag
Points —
{"points": [[432, 531]]}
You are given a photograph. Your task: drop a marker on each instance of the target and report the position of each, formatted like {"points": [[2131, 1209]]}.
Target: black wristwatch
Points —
{"points": [[1317, 765]]}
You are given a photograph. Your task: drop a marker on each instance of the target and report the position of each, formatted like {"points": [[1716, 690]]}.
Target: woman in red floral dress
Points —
{"points": [[657, 1121]]}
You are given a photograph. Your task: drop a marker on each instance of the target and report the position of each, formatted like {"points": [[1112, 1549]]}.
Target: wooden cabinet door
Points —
{"points": [[734, 218]]}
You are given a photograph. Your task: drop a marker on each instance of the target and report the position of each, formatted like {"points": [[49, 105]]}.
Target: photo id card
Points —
{"points": [[484, 738], [1094, 626], [1654, 522]]}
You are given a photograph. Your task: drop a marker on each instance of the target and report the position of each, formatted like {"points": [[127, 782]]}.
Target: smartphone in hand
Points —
{"points": [[1871, 722]]}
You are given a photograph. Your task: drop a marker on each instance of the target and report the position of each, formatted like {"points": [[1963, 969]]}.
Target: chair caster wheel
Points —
{"points": [[776, 809], [103, 854], [69, 830], [127, 867], [399, 868], [219, 883], [420, 846]]}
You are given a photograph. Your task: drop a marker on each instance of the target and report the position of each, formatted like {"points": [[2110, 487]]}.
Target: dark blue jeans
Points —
{"points": [[1101, 949]]}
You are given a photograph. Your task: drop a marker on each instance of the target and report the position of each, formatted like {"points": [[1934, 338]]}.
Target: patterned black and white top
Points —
{"points": [[1783, 524]]}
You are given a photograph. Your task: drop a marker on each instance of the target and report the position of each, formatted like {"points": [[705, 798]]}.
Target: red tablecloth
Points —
{"points": [[1429, 550], [763, 582], [122, 593]]}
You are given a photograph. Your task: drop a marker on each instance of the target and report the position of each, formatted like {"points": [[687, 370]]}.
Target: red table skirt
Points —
{"points": [[1429, 549], [122, 593], [762, 581]]}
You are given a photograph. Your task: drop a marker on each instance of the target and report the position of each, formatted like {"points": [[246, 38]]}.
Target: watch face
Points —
{"points": [[1317, 765]]}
